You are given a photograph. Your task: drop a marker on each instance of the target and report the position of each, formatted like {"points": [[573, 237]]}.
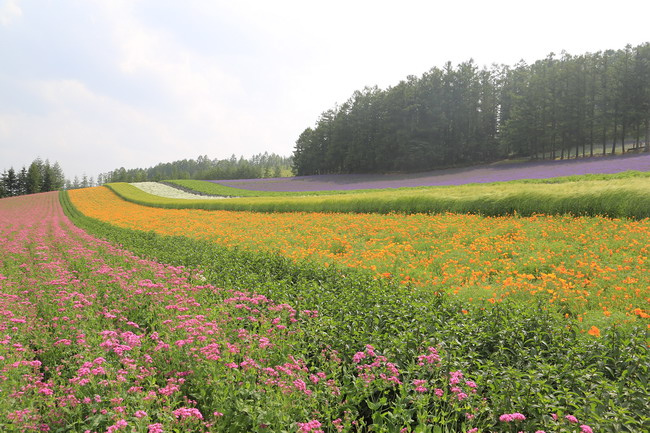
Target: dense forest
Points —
{"points": [[565, 107], [39, 177], [258, 166]]}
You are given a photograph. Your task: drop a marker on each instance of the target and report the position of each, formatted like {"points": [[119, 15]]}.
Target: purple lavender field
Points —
{"points": [[498, 172]]}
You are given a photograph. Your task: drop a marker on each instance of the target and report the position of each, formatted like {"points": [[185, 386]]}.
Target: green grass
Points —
{"points": [[616, 196]]}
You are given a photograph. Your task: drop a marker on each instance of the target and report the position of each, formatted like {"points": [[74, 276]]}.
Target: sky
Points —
{"points": [[97, 85]]}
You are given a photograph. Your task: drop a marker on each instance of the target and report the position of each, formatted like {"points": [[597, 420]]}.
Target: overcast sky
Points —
{"points": [[96, 85]]}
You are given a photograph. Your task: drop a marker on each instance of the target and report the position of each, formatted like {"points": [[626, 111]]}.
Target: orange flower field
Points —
{"points": [[593, 268]]}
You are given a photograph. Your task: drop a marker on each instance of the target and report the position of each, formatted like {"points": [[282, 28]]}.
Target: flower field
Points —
{"points": [[95, 338], [593, 269], [622, 195], [452, 176], [163, 190]]}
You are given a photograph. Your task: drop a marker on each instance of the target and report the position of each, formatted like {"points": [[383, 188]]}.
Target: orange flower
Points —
{"points": [[548, 258], [594, 331]]}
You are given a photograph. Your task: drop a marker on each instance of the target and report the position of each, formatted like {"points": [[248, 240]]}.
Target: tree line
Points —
{"points": [[558, 107], [39, 177], [203, 168]]}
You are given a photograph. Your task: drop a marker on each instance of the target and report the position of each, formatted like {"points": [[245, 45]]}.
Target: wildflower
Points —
{"points": [[584, 428], [140, 414], [509, 417], [301, 386], [118, 425], [155, 428], [306, 427], [572, 419], [419, 385], [594, 331], [186, 412]]}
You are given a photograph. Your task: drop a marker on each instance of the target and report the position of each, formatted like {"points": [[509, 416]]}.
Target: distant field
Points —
{"points": [[620, 195], [499, 172]]}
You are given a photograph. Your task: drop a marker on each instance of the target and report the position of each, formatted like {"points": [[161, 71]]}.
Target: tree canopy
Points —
{"points": [[558, 107], [258, 166], [39, 177]]}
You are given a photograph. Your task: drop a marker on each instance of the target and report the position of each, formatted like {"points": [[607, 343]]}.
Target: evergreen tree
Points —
{"points": [[34, 177], [22, 181], [10, 182]]}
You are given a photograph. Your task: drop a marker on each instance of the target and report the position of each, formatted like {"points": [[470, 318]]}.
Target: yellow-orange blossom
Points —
{"points": [[581, 264]]}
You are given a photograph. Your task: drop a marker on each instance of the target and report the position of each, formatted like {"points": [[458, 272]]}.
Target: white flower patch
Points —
{"points": [[167, 191]]}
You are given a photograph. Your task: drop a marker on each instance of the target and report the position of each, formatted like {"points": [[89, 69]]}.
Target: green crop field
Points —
{"points": [[622, 195]]}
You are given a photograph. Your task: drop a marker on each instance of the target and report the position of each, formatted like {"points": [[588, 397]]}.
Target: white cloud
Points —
{"points": [[9, 11], [102, 84]]}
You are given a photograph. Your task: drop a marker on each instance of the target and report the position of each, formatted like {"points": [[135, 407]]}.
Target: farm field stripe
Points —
{"points": [[627, 197], [215, 187], [166, 191], [595, 269], [500, 172]]}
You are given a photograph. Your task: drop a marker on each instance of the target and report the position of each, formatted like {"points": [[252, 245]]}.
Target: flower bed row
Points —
{"points": [[162, 190], [96, 339]]}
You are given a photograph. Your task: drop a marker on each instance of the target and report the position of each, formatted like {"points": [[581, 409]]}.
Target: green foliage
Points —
{"points": [[258, 166], [625, 196]]}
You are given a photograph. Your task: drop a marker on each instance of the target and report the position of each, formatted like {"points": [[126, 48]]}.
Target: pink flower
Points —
{"points": [[155, 428], [474, 430], [509, 417], [572, 419], [419, 384], [187, 412], [306, 427], [140, 414], [302, 386], [118, 425], [586, 429]]}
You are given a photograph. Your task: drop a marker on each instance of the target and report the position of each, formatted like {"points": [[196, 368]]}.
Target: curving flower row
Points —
{"points": [[95, 339]]}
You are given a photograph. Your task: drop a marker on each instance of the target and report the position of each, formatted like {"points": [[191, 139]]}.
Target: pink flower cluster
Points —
{"points": [[380, 368], [510, 417], [311, 426]]}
